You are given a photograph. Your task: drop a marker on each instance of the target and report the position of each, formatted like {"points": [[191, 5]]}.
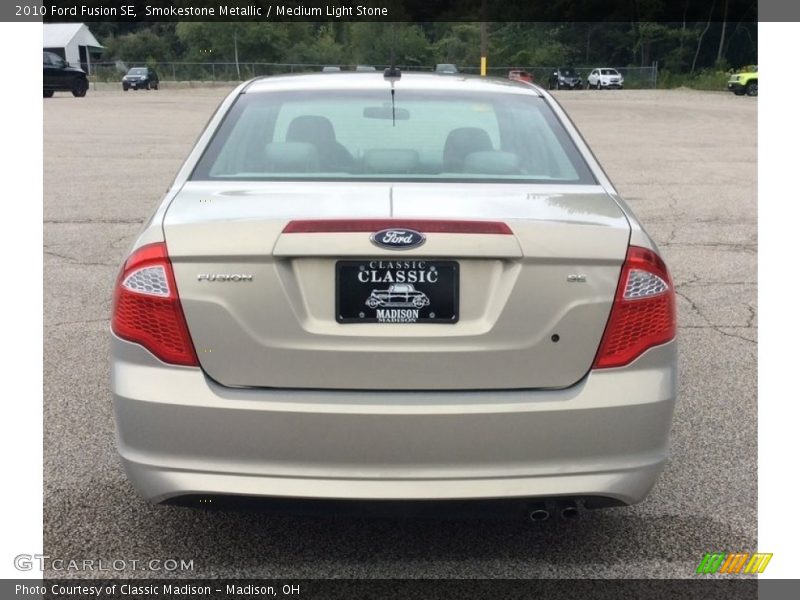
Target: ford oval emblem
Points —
{"points": [[397, 238]]}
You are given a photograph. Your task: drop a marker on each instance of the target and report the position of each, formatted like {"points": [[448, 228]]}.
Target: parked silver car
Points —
{"points": [[247, 360]]}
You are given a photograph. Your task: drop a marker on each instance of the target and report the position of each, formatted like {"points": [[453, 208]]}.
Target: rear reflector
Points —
{"points": [[421, 225], [147, 309], [643, 313]]}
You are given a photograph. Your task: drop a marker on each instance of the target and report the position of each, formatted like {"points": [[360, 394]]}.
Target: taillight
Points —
{"points": [[643, 314], [147, 309]]}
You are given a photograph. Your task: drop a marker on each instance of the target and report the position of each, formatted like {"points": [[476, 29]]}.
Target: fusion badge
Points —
{"points": [[224, 277]]}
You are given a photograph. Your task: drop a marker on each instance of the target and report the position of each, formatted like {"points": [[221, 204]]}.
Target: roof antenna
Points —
{"points": [[392, 74]]}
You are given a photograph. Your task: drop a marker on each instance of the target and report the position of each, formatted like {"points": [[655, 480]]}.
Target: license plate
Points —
{"points": [[397, 291]]}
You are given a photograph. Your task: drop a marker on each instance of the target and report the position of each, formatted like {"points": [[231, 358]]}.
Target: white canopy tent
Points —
{"points": [[73, 42]]}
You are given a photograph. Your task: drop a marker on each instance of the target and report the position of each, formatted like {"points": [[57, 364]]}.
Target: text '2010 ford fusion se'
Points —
{"points": [[416, 288]]}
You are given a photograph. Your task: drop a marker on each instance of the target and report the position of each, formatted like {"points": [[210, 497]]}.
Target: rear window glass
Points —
{"points": [[358, 135]]}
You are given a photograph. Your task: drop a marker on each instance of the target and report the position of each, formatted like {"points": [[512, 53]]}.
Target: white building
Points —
{"points": [[73, 42]]}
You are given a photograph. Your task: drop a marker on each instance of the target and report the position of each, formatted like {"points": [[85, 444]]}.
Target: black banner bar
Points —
{"points": [[403, 589], [732, 11]]}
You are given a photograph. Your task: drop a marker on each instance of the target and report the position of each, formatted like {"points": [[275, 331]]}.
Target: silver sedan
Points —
{"points": [[247, 360]]}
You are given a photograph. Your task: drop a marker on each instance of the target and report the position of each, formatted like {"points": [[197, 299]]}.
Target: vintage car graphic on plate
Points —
{"points": [[399, 295]]}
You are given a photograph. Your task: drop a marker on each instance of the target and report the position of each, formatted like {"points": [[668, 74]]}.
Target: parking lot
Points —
{"points": [[686, 162]]}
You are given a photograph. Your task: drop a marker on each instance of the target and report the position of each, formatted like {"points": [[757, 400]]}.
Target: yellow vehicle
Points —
{"points": [[745, 82]]}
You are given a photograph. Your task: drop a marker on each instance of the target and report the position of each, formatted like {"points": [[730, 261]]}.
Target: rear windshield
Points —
{"points": [[359, 135], [609, 72]]}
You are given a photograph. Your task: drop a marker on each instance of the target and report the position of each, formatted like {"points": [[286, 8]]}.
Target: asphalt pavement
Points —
{"points": [[686, 162]]}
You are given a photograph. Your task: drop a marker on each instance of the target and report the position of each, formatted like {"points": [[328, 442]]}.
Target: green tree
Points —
{"points": [[139, 46], [374, 43], [459, 43], [220, 42]]}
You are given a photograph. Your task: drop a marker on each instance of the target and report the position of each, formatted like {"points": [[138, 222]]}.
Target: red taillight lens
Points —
{"points": [[643, 314], [147, 309]]}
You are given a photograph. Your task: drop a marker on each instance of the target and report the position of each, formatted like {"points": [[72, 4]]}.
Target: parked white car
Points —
{"points": [[605, 78]]}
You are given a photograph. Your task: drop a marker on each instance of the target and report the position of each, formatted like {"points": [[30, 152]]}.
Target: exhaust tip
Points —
{"points": [[569, 513], [540, 514]]}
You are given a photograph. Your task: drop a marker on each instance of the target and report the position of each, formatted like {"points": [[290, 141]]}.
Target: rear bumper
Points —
{"points": [[179, 433]]}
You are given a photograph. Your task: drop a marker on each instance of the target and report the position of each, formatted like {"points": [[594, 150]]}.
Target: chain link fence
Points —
{"points": [[199, 71], [635, 77]]}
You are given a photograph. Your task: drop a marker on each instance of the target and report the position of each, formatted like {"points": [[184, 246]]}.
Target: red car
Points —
{"points": [[520, 75]]}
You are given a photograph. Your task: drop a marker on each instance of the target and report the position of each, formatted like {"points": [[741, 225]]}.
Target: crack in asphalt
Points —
{"points": [[76, 261], [83, 322], [123, 240], [703, 220], [751, 248], [678, 212], [707, 283], [689, 282], [92, 221], [715, 327]]}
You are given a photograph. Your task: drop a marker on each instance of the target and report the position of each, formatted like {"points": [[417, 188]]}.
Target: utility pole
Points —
{"points": [[236, 55], [722, 37], [484, 43]]}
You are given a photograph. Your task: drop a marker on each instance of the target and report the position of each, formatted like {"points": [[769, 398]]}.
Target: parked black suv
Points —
{"points": [[58, 76], [565, 78], [140, 78]]}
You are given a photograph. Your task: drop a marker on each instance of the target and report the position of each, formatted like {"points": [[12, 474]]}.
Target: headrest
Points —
{"points": [[493, 162], [390, 161], [291, 157], [311, 129], [461, 142]]}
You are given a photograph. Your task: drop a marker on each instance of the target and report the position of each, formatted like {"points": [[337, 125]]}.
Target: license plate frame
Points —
{"points": [[389, 291]]}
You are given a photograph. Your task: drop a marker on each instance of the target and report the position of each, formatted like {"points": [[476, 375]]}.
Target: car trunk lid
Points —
{"points": [[262, 303]]}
